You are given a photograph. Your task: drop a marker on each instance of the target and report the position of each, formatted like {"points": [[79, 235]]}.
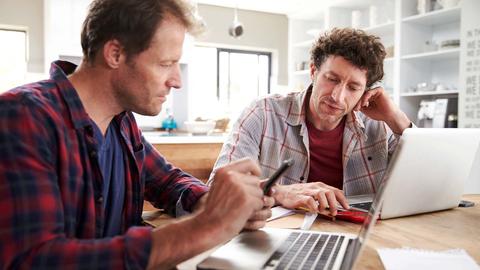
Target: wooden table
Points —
{"points": [[450, 229], [456, 228]]}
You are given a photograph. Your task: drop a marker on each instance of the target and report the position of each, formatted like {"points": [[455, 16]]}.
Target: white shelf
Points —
{"points": [[384, 29], [302, 72], [441, 16], [430, 93], [435, 55], [304, 44]]}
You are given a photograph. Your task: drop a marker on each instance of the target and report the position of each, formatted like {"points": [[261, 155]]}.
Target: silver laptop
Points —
{"points": [[293, 249], [429, 171]]}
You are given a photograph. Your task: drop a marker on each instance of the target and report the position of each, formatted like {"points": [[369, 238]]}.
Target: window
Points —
{"points": [[225, 81], [14, 55]]}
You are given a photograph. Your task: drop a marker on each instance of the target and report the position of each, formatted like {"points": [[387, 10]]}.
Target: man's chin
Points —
{"points": [[149, 112]]}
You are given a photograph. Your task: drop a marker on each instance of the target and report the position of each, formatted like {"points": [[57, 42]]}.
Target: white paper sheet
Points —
{"points": [[413, 259], [308, 220], [279, 212]]}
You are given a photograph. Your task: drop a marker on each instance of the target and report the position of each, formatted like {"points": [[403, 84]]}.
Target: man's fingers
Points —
{"points": [[322, 201], [332, 202], [262, 214], [268, 202], [342, 199], [255, 225]]}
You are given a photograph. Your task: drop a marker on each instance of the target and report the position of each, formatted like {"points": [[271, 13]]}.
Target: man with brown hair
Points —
{"points": [[75, 168], [340, 131]]}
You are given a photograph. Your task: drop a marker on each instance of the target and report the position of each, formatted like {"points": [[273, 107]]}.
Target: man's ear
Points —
{"points": [[312, 71], [113, 53]]}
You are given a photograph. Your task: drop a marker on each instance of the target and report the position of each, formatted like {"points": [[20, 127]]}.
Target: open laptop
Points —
{"points": [[428, 172], [271, 248]]}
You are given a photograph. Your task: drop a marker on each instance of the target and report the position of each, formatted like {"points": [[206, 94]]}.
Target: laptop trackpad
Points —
{"points": [[248, 250]]}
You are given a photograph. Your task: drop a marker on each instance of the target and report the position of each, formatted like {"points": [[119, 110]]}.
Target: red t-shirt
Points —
{"points": [[326, 155]]}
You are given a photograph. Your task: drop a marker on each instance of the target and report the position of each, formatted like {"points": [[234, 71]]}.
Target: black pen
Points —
{"points": [[276, 175]]}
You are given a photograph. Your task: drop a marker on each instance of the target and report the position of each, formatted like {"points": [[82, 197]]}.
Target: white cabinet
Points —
{"points": [[301, 38], [429, 57], [423, 50]]}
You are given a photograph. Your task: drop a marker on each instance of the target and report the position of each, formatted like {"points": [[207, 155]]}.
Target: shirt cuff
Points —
{"points": [[179, 207], [179, 211]]}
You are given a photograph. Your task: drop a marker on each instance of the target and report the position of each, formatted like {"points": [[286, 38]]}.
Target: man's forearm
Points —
{"points": [[399, 122], [183, 239]]}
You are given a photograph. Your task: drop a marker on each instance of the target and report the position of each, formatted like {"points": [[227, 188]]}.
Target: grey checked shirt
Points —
{"points": [[273, 129]]}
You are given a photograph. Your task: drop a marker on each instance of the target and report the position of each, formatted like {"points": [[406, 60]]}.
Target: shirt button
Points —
{"points": [[100, 199], [302, 178], [89, 129], [93, 154]]}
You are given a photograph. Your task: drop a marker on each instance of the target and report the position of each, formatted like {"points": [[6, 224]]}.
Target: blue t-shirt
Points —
{"points": [[112, 166]]}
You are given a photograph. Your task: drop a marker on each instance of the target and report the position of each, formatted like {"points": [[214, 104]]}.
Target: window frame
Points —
{"points": [[19, 28], [258, 53]]}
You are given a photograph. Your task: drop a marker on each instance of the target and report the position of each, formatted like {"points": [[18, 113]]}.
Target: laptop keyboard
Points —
{"points": [[306, 251], [364, 206]]}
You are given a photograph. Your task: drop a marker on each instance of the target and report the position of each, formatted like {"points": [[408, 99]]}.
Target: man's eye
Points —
{"points": [[166, 64], [332, 79], [354, 88]]}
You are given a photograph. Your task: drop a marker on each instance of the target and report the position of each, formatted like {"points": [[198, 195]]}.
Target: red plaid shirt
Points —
{"points": [[50, 183], [273, 129]]}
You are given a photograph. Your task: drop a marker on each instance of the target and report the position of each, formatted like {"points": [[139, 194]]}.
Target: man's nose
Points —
{"points": [[338, 92], [175, 80]]}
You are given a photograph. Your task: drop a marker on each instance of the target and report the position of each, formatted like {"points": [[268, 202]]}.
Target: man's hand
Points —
{"points": [[376, 104], [259, 218], [315, 196], [256, 221], [235, 199]]}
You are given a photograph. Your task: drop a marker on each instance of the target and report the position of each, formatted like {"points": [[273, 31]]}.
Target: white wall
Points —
{"points": [[261, 30]]}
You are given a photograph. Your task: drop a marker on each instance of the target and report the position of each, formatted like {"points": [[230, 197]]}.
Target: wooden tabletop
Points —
{"points": [[450, 229]]}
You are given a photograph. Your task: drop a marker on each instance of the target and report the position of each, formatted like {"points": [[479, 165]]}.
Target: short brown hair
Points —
{"points": [[132, 22], [362, 50]]}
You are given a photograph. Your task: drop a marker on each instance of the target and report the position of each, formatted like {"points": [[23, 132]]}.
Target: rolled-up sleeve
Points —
{"points": [[167, 186]]}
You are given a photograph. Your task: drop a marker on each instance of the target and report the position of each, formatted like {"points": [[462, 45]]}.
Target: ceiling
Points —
{"points": [[298, 9]]}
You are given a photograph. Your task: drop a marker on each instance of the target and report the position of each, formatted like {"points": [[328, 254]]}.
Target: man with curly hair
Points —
{"points": [[340, 131]]}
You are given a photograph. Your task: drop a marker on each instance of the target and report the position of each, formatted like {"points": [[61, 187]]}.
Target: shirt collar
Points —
{"points": [[59, 71]]}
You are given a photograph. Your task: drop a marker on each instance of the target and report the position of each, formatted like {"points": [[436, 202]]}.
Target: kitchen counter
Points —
{"points": [[195, 154], [163, 137]]}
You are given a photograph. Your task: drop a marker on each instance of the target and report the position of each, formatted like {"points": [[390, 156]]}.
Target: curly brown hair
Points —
{"points": [[362, 50], [132, 22]]}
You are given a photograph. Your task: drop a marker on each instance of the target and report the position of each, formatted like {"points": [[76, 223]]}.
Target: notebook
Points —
{"points": [[430, 168], [413, 259]]}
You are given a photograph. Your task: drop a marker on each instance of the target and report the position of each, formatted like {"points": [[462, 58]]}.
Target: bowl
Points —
{"points": [[199, 127]]}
